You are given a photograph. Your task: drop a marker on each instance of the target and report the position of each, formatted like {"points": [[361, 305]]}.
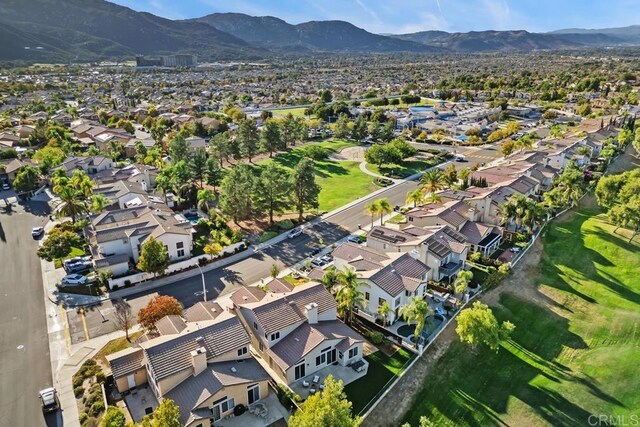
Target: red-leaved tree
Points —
{"points": [[156, 309]]}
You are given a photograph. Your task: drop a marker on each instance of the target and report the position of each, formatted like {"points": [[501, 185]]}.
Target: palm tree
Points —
{"points": [[535, 215], [115, 149], [60, 183], [524, 142], [462, 281], [205, 198], [416, 197], [330, 278], [372, 209], [385, 208], [383, 311], [71, 205], [508, 211], [98, 203], [433, 198], [82, 185], [164, 182], [349, 295], [432, 180], [416, 311]]}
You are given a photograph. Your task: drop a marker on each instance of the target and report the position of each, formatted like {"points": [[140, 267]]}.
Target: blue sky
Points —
{"points": [[403, 16]]}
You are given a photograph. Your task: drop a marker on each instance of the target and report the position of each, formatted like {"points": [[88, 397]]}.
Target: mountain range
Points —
{"points": [[88, 30]]}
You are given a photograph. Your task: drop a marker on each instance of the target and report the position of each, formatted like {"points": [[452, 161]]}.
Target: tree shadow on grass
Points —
{"points": [[328, 169], [475, 389]]}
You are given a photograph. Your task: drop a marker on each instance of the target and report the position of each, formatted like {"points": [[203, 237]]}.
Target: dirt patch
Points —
{"points": [[350, 153], [255, 227], [392, 408]]}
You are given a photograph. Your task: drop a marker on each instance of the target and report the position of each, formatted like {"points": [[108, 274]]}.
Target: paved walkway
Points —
{"points": [[363, 168]]}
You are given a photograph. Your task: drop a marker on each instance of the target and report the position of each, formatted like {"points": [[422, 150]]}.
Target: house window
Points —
{"points": [[397, 302], [255, 326], [242, 351], [410, 219], [407, 293], [381, 301], [222, 406], [367, 296], [327, 356], [353, 352], [180, 253], [275, 336], [179, 245]]}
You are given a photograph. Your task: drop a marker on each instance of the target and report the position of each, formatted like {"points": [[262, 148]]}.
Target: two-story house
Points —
{"points": [[115, 237], [205, 367], [297, 333]]}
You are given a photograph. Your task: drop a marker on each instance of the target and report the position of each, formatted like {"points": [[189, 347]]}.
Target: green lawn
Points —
{"points": [[283, 112], [57, 263], [573, 354], [341, 182], [405, 169], [115, 345], [381, 369]]}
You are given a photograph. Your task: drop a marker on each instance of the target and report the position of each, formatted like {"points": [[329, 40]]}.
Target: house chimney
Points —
{"points": [[473, 215], [144, 185], [546, 161], [199, 360], [312, 313]]}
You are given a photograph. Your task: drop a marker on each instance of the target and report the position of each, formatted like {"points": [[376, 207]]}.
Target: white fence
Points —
{"points": [[172, 269]]}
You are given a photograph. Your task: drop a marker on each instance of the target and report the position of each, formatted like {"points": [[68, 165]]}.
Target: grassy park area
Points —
{"points": [[576, 345], [341, 181], [407, 168], [295, 112]]}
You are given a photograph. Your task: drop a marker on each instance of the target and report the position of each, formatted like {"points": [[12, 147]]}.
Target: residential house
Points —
{"points": [[392, 278], [205, 367], [90, 164], [195, 142], [116, 236], [297, 333]]}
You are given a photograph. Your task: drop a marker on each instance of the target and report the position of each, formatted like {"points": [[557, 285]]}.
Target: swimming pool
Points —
{"points": [[192, 217], [431, 325]]}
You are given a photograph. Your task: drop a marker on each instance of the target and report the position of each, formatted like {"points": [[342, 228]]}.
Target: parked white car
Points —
{"points": [[37, 231], [294, 233], [49, 399], [74, 279]]}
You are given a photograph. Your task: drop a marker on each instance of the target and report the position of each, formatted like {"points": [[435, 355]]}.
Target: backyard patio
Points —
{"points": [[140, 402], [269, 412], [306, 386]]}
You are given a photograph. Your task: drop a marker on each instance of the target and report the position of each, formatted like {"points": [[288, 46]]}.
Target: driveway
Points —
{"points": [[24, 346]]}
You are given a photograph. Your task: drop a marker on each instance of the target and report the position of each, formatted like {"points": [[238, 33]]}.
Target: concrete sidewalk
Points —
{"points": [[79, 353]]}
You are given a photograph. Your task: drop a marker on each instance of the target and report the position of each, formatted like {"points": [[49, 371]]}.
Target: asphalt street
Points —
{"points": [[99, 319], [25, 367]]}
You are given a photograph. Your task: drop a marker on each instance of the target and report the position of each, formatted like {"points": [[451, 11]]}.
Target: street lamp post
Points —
{"points": [[204, 289]]}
